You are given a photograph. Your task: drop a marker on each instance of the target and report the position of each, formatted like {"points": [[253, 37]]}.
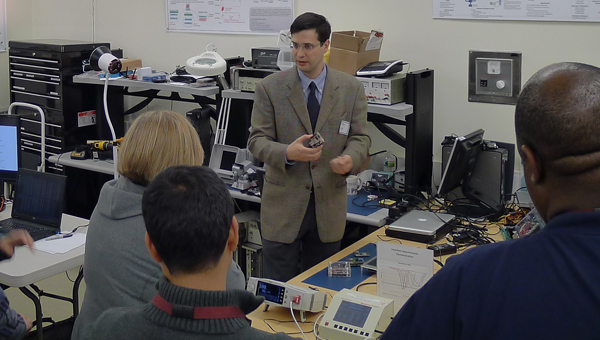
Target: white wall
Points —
{"points": [[19, 26], [138, 26]]}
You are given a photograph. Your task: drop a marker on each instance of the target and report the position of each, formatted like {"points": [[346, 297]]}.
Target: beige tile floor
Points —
{"points": [[57, 309]]}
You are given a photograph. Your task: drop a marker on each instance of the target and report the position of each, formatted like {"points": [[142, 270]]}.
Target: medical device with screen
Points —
{"points": [[354, 315], [271, 292], [283, 294], [10, 159]]}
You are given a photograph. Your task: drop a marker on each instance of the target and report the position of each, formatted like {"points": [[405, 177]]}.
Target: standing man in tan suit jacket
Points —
{"points": [[303, 212]]}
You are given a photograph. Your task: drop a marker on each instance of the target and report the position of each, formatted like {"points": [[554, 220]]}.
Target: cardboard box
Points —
{"points": [[132, 64], [350, 51]]}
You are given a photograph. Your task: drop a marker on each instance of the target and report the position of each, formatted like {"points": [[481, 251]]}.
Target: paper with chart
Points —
{"points": [[401, 271], [230, 16], [538, 10]]}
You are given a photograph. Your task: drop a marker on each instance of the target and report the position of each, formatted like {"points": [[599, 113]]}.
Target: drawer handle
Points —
{"points": [[36, 95], [36, 59]]}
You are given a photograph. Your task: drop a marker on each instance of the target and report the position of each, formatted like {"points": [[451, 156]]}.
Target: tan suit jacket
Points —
{"points": [[279, 117]]}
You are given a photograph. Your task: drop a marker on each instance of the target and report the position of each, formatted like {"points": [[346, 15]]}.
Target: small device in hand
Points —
{"points": [[316, 140]]}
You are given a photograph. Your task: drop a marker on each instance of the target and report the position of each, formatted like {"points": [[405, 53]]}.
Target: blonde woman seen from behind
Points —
{"points": [[118, 270]]}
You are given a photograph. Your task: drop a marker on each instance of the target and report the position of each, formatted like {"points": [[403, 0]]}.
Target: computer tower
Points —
{"points": [[253, 260], [486, 183], [489, 185]]}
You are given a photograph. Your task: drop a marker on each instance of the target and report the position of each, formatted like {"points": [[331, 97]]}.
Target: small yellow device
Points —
{"points": [[103, 145]]}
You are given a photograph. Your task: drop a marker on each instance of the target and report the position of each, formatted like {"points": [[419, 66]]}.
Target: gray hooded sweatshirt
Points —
{"points": [[118, 269]]}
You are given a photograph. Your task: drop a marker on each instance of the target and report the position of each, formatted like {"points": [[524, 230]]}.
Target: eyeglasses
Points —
{"points": [[306, 47]]}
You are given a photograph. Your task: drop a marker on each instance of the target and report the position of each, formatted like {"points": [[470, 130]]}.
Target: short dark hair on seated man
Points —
{"points": [[188, 213], [558, 117], [309, 20]]}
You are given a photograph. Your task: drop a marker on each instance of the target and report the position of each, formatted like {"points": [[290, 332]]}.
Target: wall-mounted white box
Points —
{"points": [[494, 77]]}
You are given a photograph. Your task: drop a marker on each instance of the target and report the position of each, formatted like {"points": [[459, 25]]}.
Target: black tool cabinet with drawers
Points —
{"points": [[41, 73]]}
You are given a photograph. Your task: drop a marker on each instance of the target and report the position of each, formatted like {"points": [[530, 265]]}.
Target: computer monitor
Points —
{"points": [[461, 161], [10, 159]]}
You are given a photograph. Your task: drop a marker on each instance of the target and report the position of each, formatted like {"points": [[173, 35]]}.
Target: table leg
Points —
{"points": [[38, 311], [76, 292]]}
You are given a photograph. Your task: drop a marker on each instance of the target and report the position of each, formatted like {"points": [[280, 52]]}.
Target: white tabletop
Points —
{"points": [[398, 110], [376, 219], [92, 78], [28, 266], [103, 166]]}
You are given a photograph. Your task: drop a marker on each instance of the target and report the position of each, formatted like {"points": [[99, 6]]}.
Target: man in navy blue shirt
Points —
{"points": [[547, 285]]}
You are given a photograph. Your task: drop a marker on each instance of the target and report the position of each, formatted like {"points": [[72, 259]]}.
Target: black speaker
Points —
{"points": [[200, 119]]}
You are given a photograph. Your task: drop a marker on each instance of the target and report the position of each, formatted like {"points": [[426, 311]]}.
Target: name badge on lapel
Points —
{"points": [[344, 128]]}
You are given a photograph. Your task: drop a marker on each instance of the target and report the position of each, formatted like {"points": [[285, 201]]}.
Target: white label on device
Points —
{"points": [[86, 118]]}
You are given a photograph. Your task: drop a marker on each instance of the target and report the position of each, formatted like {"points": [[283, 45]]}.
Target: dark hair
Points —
{"points": [[558, 114], [309, 20], [188, 212]]}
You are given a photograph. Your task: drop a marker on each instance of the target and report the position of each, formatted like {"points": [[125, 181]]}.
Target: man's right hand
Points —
{"points": [[298, 152]]}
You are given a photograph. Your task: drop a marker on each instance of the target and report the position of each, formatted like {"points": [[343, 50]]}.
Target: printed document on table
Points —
{"points": [[62, 245], [401, 271]]}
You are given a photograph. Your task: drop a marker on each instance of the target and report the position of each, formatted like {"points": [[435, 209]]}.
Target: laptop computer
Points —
{"points": [[421, 226], [38, 204]]}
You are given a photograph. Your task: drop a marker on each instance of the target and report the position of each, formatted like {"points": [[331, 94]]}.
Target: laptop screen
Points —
{"points": [[39, 197]]}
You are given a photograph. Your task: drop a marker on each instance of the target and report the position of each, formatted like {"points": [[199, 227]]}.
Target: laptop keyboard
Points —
{"points": [[35, 231]]}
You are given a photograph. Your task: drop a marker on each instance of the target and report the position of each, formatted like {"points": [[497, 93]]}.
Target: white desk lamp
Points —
{"points": [[101, 59], [208, 64]]}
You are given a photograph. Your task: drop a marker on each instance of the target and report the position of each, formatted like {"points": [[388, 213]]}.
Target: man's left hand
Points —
{"points": [[341, 164]]}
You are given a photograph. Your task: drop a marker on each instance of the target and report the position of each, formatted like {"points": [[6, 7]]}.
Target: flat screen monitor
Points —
{"points": [[461, 161], [10, 135]]}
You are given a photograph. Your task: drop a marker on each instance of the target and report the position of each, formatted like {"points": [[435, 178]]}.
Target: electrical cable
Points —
{"points": [[365, 284], [279, 321], [316, 328], [110, 125], [69, 278], [296, 321]]}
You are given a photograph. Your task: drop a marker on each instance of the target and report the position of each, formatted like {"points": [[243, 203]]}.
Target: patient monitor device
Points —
{"points": [[353, 315], [282, 294]]}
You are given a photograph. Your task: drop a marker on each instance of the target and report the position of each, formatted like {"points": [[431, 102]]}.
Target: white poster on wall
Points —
{"points": [[536, 10], [229, 16], [3, 41]]}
